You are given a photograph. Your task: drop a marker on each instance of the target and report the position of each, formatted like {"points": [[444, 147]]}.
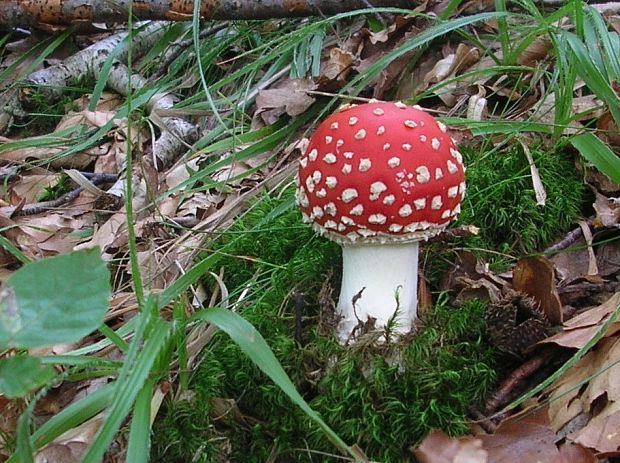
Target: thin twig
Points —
{"points": [[570, 239], [179, 47], [501, 396], [44, 206], [482, 421]]}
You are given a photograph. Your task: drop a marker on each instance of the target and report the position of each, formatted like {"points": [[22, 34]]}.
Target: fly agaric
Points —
{"points": [[377, 178]]}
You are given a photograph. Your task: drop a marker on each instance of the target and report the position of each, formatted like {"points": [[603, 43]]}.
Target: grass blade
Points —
{"points": [[129, 386], [139, 434], [255, 347], [599, 154]]}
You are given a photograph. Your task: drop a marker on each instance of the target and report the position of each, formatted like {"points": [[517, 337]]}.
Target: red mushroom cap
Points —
{"points": [[380, 172]]}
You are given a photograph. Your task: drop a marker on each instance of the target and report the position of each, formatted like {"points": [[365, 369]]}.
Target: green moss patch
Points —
{"points": [[501, 199], [384, 399]]}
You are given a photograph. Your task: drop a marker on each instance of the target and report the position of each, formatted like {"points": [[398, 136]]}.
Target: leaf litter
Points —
{"points": [[544, 307]]}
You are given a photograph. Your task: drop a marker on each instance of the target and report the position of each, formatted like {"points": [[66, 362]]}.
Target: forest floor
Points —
{"points": [[202, 329]]}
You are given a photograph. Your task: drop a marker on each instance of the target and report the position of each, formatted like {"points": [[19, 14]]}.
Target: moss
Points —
{"points": [[385, 398], [501, 200], [384, 406]]}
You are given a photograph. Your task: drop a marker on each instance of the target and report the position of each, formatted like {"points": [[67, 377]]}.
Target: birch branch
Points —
{"points": [[33, 13], [51, 81]]}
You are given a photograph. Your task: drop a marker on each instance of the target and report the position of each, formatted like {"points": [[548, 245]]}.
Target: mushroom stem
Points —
{"points": [[378, 281]]}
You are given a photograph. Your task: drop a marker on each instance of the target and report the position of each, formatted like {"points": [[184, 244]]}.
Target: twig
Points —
{"points": [[482, 421], [587, 287], [44, 206], [23, 14], [570, 239], [178, 47], [501, 396]]}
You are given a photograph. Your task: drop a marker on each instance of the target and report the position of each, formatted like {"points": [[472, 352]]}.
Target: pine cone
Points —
{"points": [[515, 323]]}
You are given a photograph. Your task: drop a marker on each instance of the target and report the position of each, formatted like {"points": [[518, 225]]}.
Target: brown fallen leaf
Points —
{"points": [[71, 446], [535, 52], [572, 263], [30, 188], [289, 97], [381, 43], [608, 258], [602, 432], [575, 452], [607, 211], [437, 447], [534, 276], [528, 435], [581, 328], [590, 389], [335, 71]]}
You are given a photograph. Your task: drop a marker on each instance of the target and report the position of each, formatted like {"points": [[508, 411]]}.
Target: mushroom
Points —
{"points": [[378, 178]]}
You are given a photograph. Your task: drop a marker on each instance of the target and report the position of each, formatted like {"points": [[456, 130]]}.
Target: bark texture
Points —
{"points": [[33, 13]]}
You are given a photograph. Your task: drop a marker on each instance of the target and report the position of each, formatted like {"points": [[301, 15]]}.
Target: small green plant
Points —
{"points": [[62, 186]]}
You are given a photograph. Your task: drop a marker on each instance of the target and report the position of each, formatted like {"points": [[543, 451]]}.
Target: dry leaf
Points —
{"points": [[580, 329], [437, 447], [534, 276], [576, 453], [602, 432], [535, 52], [527, 435], [572, 263], [591, 389], [607, 211], [608, 258], [335, 71], [30, 188], [290, 98]]}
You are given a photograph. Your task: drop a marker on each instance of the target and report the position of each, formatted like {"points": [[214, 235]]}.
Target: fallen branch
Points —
{"points": [[52, 80], [20, 13], [176, 133]]}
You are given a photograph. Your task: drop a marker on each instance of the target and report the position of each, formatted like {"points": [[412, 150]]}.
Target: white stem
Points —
{"points": [[388, 275]]}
